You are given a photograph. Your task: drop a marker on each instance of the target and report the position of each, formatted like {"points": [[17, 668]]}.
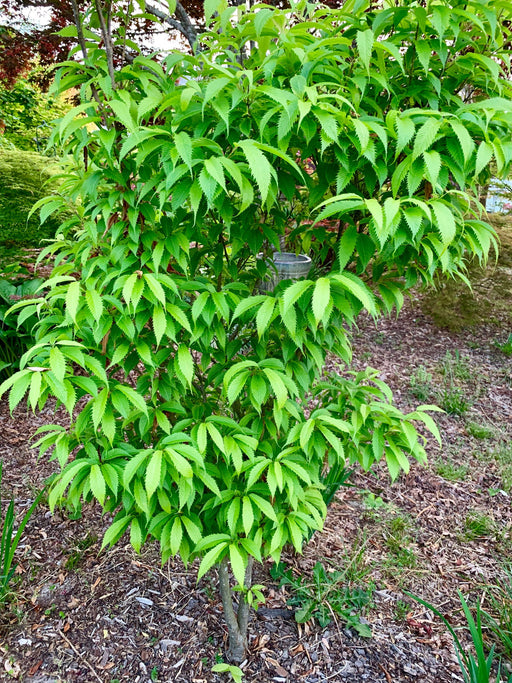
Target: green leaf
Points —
{"points": [[115, 531], [465, 139], [94, 303], [259, 165], [185, 363], [73, 299], [294, 292], [424, 52], [321, 298], [405, 129], [355, 286], [278, 386], [176, 536], [264, 506], [155, 287], [98, 407], [247, 515], [425, 136], [57, 363], [97, 481], [483, 156], [346, 246], [153, 473], [159, 323], [183, 143], [212, 557], [264, 315], [432, 165], [238, 563], [20, 384], [445, 221], [248, 303], [364, 41]]}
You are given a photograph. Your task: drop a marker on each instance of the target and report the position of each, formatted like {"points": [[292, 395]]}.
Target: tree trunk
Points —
{"points": [[238, 622]]}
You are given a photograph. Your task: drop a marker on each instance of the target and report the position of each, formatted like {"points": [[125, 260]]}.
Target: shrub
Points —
{"points": [[26, 178], [193, 425]]}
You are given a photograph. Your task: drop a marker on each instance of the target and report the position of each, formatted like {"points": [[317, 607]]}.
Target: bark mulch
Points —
{"points": [[81, 616]]}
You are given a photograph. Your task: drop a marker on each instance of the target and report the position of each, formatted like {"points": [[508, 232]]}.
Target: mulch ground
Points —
{"points": [[80, 616]]}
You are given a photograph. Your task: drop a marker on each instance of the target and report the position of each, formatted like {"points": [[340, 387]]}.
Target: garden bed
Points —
{"points": [[79, 616]]}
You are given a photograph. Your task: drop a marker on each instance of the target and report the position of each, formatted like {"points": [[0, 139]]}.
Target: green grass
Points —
{"points": [[480, 431], [478, 525], [420, 384], [26, 177], [450, 471]]}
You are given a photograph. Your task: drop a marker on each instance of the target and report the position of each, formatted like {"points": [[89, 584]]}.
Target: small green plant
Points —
{"points": [[450, 471], [401, 610], [399, 534], [506, 347], [478, 525], [479, 431], [154, 674], [235, 672], [474, 670], [453, 399], [10, 540], [327, 593], [455, 365], [76, 554], [420, 384], [500, 622]]}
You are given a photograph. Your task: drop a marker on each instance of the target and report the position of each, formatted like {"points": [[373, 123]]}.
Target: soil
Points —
{"points": [[79, 616]]}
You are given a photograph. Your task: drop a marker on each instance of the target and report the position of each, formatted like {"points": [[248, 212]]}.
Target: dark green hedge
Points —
{"points": [[25, 177]]}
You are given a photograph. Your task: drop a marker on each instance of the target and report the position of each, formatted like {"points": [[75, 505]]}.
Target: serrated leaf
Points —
{"points": [[346, 246], [364, 41], [136, 535], [238, 563], [405, 130], [258, 389], [278, 386], [424, 51], [183, 143], [483, 156], [57, 363], [98, 407], [465, 139], [97, 482], [94, 303], [185, 363], [264, 315], [259, 165], [445, 221], [153, 473], [159, 323], [432, 166], [176, 536], [155, 287], [248, 303], [212, 557], [20, 383], [115, 531], [321, 298], [73, 299], [294, 292], [425, 136]]}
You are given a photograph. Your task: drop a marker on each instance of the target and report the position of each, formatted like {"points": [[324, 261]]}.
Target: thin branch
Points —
{"points": [[185, 26], [243, 606], [79, 31], [107, 38]]}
